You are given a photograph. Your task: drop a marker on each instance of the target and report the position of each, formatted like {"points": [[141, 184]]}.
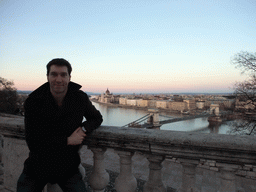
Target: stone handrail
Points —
{"points": [[222, 148], [228, 155]]}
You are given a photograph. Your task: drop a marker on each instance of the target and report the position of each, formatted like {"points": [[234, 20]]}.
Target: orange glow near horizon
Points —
{"points": [[136, 84]]}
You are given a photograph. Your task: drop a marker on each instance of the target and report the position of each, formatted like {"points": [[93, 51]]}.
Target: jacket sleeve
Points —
{"points": [[39, 136], [92, 115]]}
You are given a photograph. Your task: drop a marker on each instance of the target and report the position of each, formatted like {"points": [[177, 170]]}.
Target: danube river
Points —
{"points": [[114, 116]]}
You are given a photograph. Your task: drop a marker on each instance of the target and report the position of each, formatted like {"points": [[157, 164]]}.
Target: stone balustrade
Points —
{"points": [[232, 158]]}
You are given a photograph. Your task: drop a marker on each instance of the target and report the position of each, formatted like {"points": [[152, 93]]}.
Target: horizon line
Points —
{"points": [[99, 93]]}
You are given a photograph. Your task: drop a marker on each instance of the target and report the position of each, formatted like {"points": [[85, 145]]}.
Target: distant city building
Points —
{"points": [[142, 103], [132, 102], [122, 100], [105, 97], [190, 104], [168, 102], [223, 102], [162, 104], [151, 103], [108, 92], [200, 104], [177, 98], [177, 106]]}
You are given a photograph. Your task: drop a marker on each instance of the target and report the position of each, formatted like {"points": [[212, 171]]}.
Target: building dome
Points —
{"points": [[107, 92]]}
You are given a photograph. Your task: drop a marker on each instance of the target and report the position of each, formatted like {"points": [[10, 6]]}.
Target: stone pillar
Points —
{"points": [[189, 175], [99, 178], [154, 118], [227, 177], [215, 108], [154, 183], [125, 182]]}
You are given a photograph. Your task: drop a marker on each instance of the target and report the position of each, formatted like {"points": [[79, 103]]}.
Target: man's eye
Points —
{"points": [[53, 74], [63, 75]]}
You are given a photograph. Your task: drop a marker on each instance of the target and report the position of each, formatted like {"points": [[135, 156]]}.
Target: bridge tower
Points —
{"points": [[214, 109], [154, 118]]}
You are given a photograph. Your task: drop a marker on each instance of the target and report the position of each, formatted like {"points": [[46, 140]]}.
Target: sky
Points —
{"points": [[128, 46]]}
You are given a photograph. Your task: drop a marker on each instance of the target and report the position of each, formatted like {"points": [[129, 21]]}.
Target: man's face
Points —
{"points": [[58, 78]]}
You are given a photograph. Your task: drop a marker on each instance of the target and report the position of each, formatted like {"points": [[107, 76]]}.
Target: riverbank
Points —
{"points": [[134, 107]]}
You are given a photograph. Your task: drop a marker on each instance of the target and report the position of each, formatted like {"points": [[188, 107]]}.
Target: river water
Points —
{"points": [[114, 116]]}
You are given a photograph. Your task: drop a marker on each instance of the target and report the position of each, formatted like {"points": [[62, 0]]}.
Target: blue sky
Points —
{"points": [[128, 46]]}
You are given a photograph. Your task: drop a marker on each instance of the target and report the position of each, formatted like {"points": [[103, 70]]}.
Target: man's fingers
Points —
{"points": [[77, 137], [81, 133], [78, 129]]}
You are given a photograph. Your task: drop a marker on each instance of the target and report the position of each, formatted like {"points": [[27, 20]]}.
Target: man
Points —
{"points": [[54, 131]]}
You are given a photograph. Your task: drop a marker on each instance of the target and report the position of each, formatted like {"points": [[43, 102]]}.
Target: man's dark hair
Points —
{"points": [[59, 62]]}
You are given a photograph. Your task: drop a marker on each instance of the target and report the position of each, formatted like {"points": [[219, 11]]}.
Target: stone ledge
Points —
{"points": [[220, 148]]}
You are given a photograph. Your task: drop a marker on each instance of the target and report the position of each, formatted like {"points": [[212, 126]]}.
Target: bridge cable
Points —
{"points": [[137, 120]]}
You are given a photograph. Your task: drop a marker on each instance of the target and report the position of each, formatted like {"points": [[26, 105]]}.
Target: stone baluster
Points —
{"points": [[154, 183], [125, 182], [189, 175], [227, 177], [99, 178]]}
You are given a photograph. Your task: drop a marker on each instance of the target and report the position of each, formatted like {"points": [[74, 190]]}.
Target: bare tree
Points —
{"points": [[8, 96], [245, 94], [245, 61]]}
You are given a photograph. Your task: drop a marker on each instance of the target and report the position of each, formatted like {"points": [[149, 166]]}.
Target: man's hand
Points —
{"points": [[77, 137]]}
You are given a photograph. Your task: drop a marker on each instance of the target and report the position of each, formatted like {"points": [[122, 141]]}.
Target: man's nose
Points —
{"points": [[58, 78]]}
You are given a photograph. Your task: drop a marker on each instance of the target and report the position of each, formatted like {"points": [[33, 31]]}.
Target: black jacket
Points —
{"points": [[48, 126]]}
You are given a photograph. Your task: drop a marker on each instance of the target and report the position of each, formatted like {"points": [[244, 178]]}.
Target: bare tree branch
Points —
{"points": [[246, 61], [246, 94]]}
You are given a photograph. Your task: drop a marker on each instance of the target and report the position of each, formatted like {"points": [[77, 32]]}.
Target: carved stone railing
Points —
{"points": [[233, 158]]}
